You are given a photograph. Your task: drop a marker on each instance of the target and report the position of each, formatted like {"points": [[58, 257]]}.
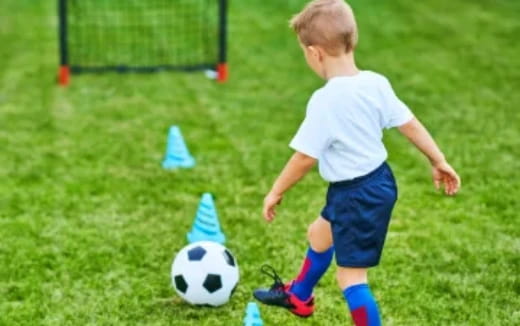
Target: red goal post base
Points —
{"points": [[64, 76], [222, 72]]}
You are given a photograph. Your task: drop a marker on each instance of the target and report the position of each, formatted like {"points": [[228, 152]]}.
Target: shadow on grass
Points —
{"points": [[186, 311]]}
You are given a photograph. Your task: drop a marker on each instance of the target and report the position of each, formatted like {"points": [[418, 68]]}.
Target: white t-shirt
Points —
{"points": [[343, 127]]}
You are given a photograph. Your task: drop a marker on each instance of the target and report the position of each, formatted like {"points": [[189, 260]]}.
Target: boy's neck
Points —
{"points": [[343, 65]]}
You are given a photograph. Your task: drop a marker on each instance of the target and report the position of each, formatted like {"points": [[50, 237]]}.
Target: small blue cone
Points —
{"points": [[177, 154], [253, 315], [206, 226]]}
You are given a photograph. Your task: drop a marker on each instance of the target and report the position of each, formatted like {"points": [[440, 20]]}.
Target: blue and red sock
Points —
{"points": [[313, 268], [362, 305]]}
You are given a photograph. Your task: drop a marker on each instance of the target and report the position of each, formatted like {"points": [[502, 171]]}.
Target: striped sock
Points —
{"points": [[313, 268]]}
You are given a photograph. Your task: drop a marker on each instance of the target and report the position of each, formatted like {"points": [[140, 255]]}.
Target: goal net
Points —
{"points": [[142, 36]]}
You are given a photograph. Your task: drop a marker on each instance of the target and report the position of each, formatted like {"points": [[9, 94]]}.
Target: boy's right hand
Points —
{"points": [[270, 203], [443, 173]]}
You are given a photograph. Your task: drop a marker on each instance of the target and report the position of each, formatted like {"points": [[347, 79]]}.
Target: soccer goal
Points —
{"points": [[142, 36]]}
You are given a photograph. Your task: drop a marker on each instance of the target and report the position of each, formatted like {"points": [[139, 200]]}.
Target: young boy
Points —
{"points": [[342, 131]]}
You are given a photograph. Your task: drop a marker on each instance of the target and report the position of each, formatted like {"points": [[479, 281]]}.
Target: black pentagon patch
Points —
{"points": [[212, 283], [180, 283], [196, 253], [229, 258]]}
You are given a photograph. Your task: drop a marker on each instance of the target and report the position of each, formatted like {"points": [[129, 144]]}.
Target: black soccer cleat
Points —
{"points": [[279, 295]]}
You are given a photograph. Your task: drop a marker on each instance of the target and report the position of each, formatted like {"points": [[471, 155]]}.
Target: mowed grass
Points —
{"points": [[89, 222]]}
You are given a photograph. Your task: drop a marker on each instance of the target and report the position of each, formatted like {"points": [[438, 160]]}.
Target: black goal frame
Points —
{"points": [[68, 68]]}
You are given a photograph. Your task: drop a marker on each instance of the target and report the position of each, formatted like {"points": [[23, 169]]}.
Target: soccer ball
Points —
{"points": [[205, 273]]}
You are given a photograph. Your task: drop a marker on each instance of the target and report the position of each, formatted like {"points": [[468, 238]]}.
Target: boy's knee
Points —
{"points": [[319, 237]]}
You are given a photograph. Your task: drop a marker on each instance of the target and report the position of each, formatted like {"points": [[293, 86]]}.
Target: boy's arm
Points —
{"points": [[295, 169], [442, 171]]}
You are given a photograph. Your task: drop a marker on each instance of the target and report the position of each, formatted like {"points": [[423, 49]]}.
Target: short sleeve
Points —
{"points": [[313, 136], [396, 112]]}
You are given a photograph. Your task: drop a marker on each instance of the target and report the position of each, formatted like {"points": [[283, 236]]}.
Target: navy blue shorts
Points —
{"points": [[359, 212]]}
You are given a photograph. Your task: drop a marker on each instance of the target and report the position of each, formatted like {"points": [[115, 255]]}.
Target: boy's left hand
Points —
{"points": [[443, 173], [270, 203]]}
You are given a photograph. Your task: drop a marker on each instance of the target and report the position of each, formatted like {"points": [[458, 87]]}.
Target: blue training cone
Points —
{"points": [[206, 226], [253, 315], [177, 154]]}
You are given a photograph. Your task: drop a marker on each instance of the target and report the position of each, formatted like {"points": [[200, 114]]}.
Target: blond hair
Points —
{"points": [[327, 23]]}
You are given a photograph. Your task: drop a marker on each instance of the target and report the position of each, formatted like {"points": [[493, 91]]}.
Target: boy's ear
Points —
{"points": [[316, 52]]}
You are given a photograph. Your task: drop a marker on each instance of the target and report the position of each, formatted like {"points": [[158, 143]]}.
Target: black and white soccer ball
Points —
{"points": [[205, 273]]}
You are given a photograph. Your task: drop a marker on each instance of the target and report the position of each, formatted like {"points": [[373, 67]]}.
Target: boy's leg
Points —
{"points": [[297, 297], [361, 302], [317, 261]]}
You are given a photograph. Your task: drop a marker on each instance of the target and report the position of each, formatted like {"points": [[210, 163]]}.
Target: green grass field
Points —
{"points": [[89, 222]]}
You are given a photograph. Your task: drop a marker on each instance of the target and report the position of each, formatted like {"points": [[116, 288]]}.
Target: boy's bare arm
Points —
{"points": [[442, 172], [295, 169]]}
